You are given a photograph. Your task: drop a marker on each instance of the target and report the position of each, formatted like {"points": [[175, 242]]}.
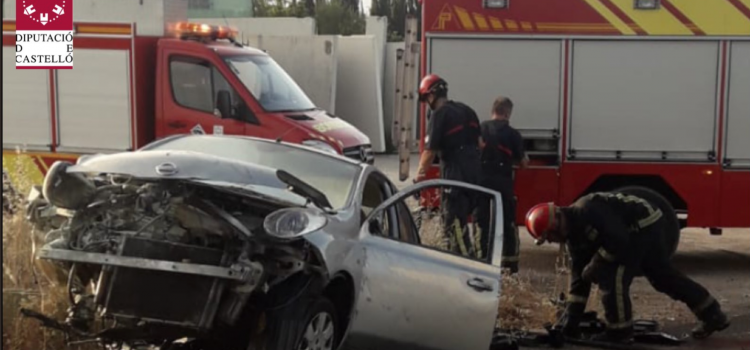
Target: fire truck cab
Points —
{"points": [[151, 75], [608, 94]]}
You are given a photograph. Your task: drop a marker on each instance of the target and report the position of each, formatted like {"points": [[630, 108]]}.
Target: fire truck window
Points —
{"points": [[221, 83], [191, 84]]}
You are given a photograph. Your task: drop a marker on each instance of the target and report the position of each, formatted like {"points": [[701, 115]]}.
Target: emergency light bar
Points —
{"points": [[202, 30], [496, 4], [646, 4]]}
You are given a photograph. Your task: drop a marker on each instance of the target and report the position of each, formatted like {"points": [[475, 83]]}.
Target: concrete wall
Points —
{"points": [[378, 27], [359, 94], [266, 26]]}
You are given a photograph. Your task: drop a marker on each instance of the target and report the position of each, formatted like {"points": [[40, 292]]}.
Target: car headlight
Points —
{"points": [[321, 145], [291, 223]]}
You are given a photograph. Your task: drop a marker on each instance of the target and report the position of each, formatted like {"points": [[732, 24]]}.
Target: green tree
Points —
{"points": [[337, 17], [396, 11], [281, 8]]}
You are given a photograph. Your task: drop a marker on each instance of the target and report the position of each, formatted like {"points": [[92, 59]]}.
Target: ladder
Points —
{"points": [[406, 96]]}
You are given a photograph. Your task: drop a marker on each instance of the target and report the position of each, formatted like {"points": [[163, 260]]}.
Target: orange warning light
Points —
{"points": [[188, 29]]}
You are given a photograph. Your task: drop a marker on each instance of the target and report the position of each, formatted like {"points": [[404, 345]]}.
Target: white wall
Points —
{"points": [[359, 94], [378, 27], [265, 26], [312, 61]]}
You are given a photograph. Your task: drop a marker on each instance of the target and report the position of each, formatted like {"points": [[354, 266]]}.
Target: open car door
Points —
{"points": [[419, 292]]}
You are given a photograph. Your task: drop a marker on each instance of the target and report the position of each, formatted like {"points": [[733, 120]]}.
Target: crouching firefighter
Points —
{"points": [[453, 135], [611, 237]]}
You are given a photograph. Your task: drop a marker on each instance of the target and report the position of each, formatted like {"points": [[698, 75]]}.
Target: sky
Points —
{"points": [[366, 6]]}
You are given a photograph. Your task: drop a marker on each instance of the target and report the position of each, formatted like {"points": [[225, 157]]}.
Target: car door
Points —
{"points": [[413, 296]]}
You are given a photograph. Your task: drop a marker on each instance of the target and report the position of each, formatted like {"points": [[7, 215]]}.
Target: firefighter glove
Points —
{"points": [[591, 271]]}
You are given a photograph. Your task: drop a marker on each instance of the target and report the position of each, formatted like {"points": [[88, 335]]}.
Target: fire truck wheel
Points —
{"points": [[672, 229]]}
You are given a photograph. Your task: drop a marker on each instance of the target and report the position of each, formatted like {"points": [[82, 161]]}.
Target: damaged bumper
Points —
{"points": [[158, 260]]}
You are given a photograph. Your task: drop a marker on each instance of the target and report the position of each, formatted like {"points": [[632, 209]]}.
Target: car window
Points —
{"points": [[407, 229], [471, 240], [196, 84], [269, 83]]}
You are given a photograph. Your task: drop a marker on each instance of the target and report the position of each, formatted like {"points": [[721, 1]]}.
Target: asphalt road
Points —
{"points": [[720, 263]]}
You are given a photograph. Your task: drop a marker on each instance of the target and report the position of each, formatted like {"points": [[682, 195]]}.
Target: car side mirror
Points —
{"points": [[224, 104]]}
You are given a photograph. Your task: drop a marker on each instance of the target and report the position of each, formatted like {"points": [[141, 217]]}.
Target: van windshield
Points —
{"points": [[271, 86]]}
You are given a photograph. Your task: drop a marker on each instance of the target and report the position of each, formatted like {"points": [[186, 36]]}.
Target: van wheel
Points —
{"points": [[672, 223], [308, 324]]}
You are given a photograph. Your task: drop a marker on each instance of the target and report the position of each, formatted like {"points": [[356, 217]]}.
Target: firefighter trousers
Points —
{"points": [[511, 241], [457, 206], [651, 257]]}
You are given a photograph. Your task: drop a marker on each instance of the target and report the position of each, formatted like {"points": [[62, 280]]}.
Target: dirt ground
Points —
{"points": [[720, 263]]}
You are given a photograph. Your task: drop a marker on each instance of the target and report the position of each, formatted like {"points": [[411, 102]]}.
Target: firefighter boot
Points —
{"points": [[615, 335], [712, 320]]}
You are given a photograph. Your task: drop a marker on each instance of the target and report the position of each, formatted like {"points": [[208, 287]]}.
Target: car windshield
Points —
{"points": [[269, 83], [334, 178]]}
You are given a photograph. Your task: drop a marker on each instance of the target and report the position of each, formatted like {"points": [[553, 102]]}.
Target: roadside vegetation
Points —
{"points": [[24, 286]]}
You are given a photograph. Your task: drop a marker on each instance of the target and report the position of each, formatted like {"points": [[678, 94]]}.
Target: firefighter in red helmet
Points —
{"points": [[453, 134], [611, 237]]}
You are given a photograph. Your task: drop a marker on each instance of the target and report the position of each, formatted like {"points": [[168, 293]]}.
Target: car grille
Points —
{"points": [[361, 153]]}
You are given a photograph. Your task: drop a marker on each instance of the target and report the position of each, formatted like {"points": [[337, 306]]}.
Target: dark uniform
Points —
{"points": [[622, 236], [453, 132], [503, 147]]}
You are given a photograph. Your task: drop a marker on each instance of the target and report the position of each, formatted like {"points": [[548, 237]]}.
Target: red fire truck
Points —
{"points": [[609, 93], [139, 81]]}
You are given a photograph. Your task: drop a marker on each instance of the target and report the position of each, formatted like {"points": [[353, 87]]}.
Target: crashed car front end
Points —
{"points": [[157, 246]]}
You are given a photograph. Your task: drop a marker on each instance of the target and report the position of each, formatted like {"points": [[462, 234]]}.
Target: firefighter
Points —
{"points": [[502, 146], [453, 135], [612, 237]]}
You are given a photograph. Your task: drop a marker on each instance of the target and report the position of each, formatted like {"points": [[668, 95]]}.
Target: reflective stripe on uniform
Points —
{"points": [[607, 255], [620, 295], [577, 299], [460, 237], [652, 218], [478, 241], [653, 214], [592, 233]]}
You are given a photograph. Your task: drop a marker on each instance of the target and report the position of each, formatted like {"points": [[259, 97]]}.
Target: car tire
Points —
{"points": [[672, 223], [310, 323]]}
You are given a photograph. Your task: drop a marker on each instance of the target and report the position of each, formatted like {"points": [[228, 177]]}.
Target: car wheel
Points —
{"points": [[309, 324], [672, 223]]}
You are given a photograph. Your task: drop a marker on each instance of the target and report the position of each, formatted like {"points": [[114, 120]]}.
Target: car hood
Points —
{"points": [[331, 128], [193, 167]]}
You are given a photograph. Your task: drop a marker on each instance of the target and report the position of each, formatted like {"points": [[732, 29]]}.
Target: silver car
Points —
{"points": [[225, 242]]}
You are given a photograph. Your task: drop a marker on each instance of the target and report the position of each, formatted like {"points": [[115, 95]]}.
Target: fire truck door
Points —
{"points": [[193, 103]]}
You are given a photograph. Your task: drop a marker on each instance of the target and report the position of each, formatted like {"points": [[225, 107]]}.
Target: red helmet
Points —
{"points": [[431, 83], [541, 222]]}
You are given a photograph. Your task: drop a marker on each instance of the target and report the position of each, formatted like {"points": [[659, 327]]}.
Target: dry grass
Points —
{"points": [[23, 284]]}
